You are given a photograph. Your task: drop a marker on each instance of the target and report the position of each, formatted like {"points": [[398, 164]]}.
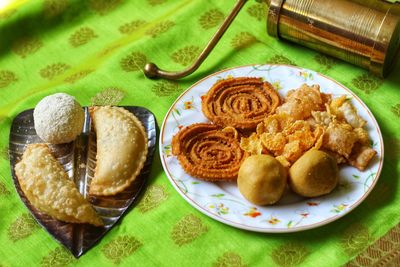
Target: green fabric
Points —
{"points": [[95, 50]]}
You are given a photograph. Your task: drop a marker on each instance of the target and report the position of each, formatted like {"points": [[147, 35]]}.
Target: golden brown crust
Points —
{"points": [[48, 188], [240, 102], [208, 152], [121, 149]]}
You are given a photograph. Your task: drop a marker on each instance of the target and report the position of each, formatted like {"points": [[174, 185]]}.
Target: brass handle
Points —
{"points": [[152, 71]]}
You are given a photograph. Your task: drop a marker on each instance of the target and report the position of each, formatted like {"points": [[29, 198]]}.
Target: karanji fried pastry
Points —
{"points": [[240, 102], [48, 188], [209, 152], [121, 149]]}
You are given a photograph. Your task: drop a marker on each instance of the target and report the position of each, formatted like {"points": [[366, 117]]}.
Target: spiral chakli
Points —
{"points": [[240, 102], [209, 152]]}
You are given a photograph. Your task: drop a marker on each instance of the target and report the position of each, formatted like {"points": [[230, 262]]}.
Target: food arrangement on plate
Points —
{"points": [[80, 166], [271, 148], [260, 139]]}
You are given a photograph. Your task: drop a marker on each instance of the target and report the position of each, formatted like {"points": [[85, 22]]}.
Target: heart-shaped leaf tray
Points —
{"points": [[79, 161]]}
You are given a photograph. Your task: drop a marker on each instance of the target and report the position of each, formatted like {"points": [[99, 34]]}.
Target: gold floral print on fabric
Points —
{"points": [[73, 78], [258, 11], [51, 71], [325, 61], [153, 197], [120, 248], [3, 190], [186, 55], [280, 59], [229, 259], [131, 27], [289, 254], [22, 227], [367, 82], [187, 230], [160, 28], [242, 40], [211, 18], [58, 257], [395, 109], [384, 252], [165, 88], [103, 7], [6, 78], [82, 36], [108, 97], [355, 239], [135, 61], [156, 2], [26, 46], [54, 8]]}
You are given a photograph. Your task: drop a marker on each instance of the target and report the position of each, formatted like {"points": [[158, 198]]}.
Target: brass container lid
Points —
{"points": [[376, 49]]}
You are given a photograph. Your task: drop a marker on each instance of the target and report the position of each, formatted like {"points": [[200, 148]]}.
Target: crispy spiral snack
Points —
{"points": [[209, 152], [240, 102]]}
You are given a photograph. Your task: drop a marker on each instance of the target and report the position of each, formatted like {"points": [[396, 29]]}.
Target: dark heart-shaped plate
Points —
{"points": [[79, 160]]}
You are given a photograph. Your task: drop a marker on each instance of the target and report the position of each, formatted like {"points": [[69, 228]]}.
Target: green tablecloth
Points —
{"points": [[95, 50]]}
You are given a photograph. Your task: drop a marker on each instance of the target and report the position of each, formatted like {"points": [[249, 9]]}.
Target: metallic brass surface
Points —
{"points": [[152, 71], [363, 32]]}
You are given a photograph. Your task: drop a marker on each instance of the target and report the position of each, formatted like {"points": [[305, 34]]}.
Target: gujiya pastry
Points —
{"points": [[121, 153], [299, 140]]}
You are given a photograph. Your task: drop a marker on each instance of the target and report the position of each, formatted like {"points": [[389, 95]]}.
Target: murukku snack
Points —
{"points": [[240, 102], [208, 152]]}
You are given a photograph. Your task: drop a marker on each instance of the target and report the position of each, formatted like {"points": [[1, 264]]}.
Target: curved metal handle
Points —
{"points": [[152, 71]]}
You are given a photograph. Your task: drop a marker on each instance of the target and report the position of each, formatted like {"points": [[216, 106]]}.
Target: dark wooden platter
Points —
{"points": [[79, 160]]}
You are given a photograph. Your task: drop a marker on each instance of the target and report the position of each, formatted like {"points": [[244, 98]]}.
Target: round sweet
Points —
{"points": [[262, 179], [58, 118], [314, 174]]}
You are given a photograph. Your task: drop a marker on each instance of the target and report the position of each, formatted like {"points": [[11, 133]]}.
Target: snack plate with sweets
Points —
{"points": [[79, 188], [233, 114]]}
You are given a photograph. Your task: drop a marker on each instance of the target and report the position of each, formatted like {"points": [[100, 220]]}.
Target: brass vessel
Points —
{"points": [[362, 32], [365, 33]]}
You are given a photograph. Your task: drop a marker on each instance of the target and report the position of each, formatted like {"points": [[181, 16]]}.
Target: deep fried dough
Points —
{"points": [[209, 152], [121, 149], [48, 188], [240, 102]]}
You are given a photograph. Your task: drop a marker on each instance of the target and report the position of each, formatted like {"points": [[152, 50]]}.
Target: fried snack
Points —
{"points": [[340, 138], [48, 188], [283, 136], [301, 102], [361, 156], [310, 119], [121, 149], [208, 152], [240, 102]]}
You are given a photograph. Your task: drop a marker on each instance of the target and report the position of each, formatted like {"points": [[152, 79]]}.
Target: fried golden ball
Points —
{"points": [[262, 179]]}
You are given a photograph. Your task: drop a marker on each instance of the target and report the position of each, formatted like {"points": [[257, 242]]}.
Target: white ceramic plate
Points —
{"points": [[223, 202]]}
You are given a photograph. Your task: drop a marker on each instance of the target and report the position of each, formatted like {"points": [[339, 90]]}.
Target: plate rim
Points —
{"points": [[264, 229]]}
